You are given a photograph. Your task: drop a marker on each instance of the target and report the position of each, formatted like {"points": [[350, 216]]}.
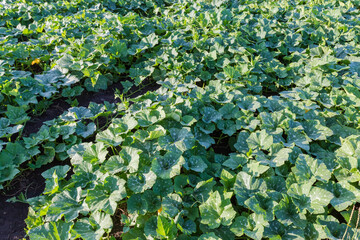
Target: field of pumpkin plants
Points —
{"points": [[218, 119]]}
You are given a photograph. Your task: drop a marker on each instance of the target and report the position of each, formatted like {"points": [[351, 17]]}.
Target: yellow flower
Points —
{"points": [[36, 61], [160, 210]]}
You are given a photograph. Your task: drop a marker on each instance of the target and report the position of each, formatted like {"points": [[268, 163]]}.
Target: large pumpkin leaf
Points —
{"points": [[105, 196], [168, 166], [217, 210], [260, 140], [140, 182], [247, 186], [96, 153], [52, 231], [307, 168], [182, 139]]}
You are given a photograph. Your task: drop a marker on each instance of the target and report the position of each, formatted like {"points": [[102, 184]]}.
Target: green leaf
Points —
{"points": [[300, 196], [307, 168], [230, 111], [67, 130], [115, 164], [227, 179], [47, 157], [52, 176], [180, 185], [85, 130], [209, 236], [84, 230], [96, 153], [68, 204], [151, 40], [127, 85], [119, 49], [8, 173], [96, 109], [241, 143], [136, 204], [298, 138], [314, 231], [156, 131], [349, 152], [249, 103], [65, 62], [77, 113], [261, 204], [171, 204], [320, 198], [153, 201], [232, 72], [252, 225], [280, 158], [333, 229], [50, 77], [210, 114], [102, 219], [195, 163], [188, 120], [342, 197], [246, 186], [276, 183], [51, 231], [142, 181], [105, 196], [203, 189], [204, 139], [94, 227], [166, 228], [148, 117], [72, 91], [255, 168], [287, 213], [163, 187], [217, 210], [168, 166], [84, 175], [151, 226], [341, 131], [110, 136], [316, 131], [131, 156], [182, 139], [96, 82], [313, 199], [133, 234], [276, 230], [16, 115], [239, 225], [235, 161], [188, 227], [17, 152]]}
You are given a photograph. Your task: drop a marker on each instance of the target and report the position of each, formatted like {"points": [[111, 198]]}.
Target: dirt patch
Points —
{"points": [[12, 217]]}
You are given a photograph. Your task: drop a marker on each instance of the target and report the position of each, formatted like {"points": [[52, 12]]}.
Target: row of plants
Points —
{"points": [[253, 134], [89, 45], [57, 49], [53, 140], [277, 177]]}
